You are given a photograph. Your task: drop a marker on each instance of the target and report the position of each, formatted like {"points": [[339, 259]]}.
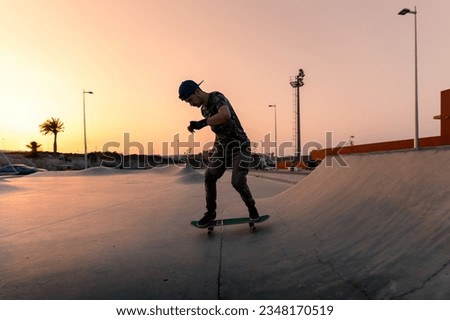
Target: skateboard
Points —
{"points": [[231, 221]]}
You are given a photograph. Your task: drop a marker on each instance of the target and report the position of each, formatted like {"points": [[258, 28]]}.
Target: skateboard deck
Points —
{"points": [[231, 221]]}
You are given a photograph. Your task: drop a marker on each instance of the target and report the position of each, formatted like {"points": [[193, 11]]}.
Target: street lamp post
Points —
{"points": [[416, 137], [274, 106], [84, 122]]}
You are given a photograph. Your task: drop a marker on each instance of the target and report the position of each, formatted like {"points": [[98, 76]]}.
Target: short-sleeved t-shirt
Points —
{"points": [[230, 131]]}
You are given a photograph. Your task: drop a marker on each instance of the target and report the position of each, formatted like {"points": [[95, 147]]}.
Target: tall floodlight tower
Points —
{"points": [[296, 83]]}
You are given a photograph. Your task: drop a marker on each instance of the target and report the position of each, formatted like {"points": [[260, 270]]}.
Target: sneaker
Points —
{"points": [[253, 214], [207, 219]]}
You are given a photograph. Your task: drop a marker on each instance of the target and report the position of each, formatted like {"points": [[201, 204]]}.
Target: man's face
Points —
{"points": [[194, 100]]}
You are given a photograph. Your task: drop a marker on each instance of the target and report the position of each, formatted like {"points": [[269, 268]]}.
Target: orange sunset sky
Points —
{"points": [[358, 57]]}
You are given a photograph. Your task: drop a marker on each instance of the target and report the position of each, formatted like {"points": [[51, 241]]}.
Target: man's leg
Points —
{"points": [[214, 172], [241, 161]]}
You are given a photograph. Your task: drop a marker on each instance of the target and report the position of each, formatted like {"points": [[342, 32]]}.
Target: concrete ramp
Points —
{"points": [[378, 228], [185, 173]]}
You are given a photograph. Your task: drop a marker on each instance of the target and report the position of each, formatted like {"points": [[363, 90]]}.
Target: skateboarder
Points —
{"points": [[231, 147]]}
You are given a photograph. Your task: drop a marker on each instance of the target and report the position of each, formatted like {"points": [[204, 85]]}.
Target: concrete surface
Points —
{"points": [[377, 229]]}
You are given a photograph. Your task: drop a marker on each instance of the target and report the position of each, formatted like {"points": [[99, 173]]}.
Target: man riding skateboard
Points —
{"points": [[231, 146]]}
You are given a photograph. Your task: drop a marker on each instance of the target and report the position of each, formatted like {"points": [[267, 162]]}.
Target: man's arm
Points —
{"points": [[220, 117]]}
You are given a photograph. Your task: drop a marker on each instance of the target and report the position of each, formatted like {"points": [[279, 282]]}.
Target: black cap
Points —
{"points": [[187, 88]]}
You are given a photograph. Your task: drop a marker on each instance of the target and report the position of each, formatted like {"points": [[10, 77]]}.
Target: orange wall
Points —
{"points": [[445, 116], [443, 139]]}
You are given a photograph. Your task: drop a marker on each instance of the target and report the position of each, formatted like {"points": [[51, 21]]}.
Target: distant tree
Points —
{"points": [[34, 146], [53, 126]]}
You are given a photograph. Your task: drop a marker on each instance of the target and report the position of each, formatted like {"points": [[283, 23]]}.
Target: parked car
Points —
{"points": [[18, 169]]}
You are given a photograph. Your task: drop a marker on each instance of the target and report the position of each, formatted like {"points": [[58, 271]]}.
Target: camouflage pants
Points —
{"points": [[239, 158]]}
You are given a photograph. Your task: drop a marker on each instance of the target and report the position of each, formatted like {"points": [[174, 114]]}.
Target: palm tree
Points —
{"points": [[34, 146], [52, 126]]}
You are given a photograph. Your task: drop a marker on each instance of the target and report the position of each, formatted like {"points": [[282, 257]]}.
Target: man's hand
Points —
{"points": [[196, 125]]}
